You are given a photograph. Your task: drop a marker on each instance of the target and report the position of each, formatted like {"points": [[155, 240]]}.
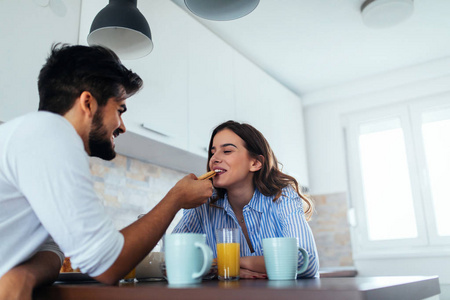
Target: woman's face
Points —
{"points": [[232, 161]]}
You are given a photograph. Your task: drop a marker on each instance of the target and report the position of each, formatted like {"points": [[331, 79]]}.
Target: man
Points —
{"points": [[46, 192]]}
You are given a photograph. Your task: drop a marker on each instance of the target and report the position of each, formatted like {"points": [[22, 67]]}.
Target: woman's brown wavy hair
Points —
{"points": [[269, 180]]}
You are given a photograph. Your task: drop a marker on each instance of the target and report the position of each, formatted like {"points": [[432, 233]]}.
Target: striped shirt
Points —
{"points": [[264, 218]]}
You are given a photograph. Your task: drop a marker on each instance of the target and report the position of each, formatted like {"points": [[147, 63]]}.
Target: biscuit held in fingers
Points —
{"points": [[208, 175]]}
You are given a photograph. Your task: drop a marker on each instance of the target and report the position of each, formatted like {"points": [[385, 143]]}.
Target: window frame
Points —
{"points": [[417, 108], [409, 113]]}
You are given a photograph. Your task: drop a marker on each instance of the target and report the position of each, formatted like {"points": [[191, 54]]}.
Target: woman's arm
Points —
{"points": [[189, 222], [19, 282], [253, 267], [253, 263], [294, 224]]}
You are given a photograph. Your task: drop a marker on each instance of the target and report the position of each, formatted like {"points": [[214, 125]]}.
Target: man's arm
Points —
{"points": [[142, 235], [18, 283]]}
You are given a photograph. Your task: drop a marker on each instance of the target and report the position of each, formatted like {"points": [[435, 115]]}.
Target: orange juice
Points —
{"points": [[130, 276], [228, 260]]}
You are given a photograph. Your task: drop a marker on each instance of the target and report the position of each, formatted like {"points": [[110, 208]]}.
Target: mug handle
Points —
{"points": [[305, 260], [207, 260]]}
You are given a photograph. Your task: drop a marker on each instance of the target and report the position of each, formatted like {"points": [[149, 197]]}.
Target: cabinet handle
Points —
{"points": [[145, 126]]}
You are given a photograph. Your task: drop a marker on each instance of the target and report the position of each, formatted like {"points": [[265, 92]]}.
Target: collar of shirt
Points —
{"points": [[258, 203]]}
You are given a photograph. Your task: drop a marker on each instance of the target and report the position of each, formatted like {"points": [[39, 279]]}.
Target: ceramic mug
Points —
{"points": [[281, 258], [188, 258]]}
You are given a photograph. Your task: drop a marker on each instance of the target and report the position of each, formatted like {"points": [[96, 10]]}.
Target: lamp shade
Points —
{"points": [[386, 13], [221, 10], [121, 27]]}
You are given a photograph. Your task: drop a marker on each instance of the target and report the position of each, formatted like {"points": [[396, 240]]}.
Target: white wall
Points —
{"points": [[324, 137], [326, 153], [27, 33]]}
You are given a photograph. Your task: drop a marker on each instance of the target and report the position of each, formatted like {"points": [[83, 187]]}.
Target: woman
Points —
{"points": [[254, 195]]}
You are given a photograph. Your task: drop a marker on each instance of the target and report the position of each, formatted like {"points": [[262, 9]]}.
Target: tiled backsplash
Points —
{"points": [[331, 230], [129, 187]]}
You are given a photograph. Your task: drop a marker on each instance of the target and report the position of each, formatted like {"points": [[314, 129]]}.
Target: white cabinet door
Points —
{"points": [[210, 89], [162, 105], [276, 112], [255, 93], [289, 136]]}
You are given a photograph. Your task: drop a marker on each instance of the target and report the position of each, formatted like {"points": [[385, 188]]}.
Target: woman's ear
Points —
{"points": [[257, 163]]}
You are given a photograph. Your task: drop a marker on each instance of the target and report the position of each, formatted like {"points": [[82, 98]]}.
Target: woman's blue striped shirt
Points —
{"points": [[264, 218]]}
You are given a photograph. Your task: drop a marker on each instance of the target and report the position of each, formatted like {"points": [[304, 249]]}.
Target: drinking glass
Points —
{"points": [[228, 266]]}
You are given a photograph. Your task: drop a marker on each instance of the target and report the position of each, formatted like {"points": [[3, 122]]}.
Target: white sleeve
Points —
{"points": [[52, 170]]}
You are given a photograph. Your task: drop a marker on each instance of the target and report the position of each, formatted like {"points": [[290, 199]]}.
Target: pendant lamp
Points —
{"points": [[221, 10], [386, 13], [121, 27]]}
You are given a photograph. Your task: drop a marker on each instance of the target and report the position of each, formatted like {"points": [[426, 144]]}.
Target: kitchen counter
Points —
{"points": [[349, 288]]}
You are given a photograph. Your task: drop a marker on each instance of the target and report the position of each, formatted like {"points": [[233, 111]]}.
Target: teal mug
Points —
{"points": [[188, 258], [281, 258]]}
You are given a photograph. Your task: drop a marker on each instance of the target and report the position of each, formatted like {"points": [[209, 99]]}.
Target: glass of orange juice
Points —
{"points": [[228, 253], [130, 276]]}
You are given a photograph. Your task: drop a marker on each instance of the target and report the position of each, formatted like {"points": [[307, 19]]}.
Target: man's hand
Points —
{"points": [[19, 282], [191, 192]]}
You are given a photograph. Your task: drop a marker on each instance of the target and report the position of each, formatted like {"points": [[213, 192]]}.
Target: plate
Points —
{"points": [[74, 276]]}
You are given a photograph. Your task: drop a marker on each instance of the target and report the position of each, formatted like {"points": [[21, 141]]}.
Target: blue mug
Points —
{"points": [[188, 258], [281, 258]]}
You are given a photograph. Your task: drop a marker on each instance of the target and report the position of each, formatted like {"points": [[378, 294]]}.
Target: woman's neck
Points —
{"points": [[240, 197]]}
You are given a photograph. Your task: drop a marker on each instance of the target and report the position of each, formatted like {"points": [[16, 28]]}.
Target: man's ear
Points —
{"points": [[257, 163], [88, 104]]}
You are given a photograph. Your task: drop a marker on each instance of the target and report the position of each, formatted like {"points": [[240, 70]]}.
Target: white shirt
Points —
{"points": [[46, 192]]}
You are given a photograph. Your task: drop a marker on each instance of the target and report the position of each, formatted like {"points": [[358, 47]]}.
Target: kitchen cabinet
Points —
{"points": [[162, 105], [157, 117], [254, 91], [288, 135], [210, 86], [276, 112]]}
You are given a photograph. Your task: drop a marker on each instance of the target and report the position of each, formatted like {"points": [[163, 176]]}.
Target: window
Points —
{"points": [[436, 140], [386, 181], [399, 175]]}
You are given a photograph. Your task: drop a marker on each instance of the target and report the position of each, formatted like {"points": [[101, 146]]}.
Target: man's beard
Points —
{"points": [[99, 142]]}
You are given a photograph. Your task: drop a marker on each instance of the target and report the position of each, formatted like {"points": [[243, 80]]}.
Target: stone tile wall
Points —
{"points": [[331, 230], [129, 187]]}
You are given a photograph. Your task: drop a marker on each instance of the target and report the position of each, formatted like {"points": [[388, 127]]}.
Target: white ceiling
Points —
{"points": [[314, 45]]}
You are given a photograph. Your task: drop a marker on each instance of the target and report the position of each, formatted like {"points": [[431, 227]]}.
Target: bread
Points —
{"points": [[67, 267], [207, 175]]}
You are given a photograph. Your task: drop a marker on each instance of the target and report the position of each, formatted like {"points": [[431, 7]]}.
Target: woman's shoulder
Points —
{"points": [[289, 193], [289, 199]]}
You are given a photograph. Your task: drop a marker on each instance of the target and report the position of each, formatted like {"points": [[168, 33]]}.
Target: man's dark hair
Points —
{"points": [[71, 70]]}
